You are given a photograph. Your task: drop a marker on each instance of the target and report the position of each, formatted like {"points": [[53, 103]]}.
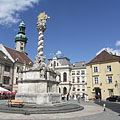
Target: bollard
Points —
{"points": [[104, 109]]}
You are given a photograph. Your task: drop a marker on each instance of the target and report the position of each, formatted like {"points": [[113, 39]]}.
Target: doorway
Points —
{"points": [[97, 93], [64, 90]]}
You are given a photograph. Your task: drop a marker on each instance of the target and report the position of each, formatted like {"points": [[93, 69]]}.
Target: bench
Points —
{"points": [[18, 103]]}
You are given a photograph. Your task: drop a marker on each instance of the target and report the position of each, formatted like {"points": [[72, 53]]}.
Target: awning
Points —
{"points": [[3, 90]]}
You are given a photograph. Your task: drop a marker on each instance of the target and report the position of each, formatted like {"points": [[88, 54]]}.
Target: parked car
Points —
{"points": [[113, 98]]}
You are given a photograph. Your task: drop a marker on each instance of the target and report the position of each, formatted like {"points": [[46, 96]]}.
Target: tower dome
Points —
{"points": [[21, 38], [22, 24]]}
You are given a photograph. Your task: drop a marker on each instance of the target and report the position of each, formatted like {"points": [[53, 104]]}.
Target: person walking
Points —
{"points": [[78, 98]]}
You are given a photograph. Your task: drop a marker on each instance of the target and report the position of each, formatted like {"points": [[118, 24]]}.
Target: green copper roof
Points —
{"points": [[22, 24], [21, 37], [21, 34]]}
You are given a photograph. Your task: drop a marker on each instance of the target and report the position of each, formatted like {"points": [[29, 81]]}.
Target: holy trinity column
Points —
{"points": [[41, 27]]}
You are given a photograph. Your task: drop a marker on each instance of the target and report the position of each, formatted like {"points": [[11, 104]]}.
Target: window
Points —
{"points": [[57, 64], [73, 88], [64, 77], [109, 68], [73, 79], [18, 69], [95, 69], [83, 79], [78, 89], [21, 48], [54, 63], [51, 64], [83, 89], [109, 79], [96, 81], [110, 92], [6, 80], [16, 80], [21, 43], [7, 68], [78, 79], [82, 72], [78, 72], [73, 72]]}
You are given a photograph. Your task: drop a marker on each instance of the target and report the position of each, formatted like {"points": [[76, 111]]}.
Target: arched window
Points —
{"points": [[54, 63], [59, 90], [64, 77], [64, 90]]}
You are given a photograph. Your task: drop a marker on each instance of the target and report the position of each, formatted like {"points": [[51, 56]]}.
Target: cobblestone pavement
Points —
{"points": [[91, 112]]}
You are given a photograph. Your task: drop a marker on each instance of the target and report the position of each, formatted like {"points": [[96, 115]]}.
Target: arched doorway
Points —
{"points": [[97, 93], [64, 90]]}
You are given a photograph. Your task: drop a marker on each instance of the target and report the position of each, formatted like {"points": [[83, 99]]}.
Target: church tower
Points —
{"points": [[21, 39]]}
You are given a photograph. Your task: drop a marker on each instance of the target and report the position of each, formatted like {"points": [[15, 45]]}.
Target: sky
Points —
{"points": [[77, 29]]}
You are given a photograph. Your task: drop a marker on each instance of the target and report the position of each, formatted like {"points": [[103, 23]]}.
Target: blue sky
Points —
{"points": [[77, 28]]}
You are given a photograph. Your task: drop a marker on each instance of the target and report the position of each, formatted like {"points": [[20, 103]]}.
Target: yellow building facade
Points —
{"points": [[103, 76]]}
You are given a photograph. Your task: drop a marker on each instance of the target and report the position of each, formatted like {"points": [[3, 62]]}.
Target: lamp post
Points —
{"points": [[70, 86]]}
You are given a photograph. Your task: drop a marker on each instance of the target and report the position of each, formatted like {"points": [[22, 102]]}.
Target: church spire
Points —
{"points": [[20, 38]]}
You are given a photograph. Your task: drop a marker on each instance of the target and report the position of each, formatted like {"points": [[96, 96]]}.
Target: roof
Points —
{"points": [[3, 57], [104, 56], [22, 24], [79, 65], [64, 61], [61, 60], [22, 57]]}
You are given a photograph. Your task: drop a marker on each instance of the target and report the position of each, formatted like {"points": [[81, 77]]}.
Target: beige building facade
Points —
{"points": [[103, 76]]}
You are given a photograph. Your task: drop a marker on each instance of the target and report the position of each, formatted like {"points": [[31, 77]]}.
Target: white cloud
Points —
{"points": [[58, 52], [118, 43], [9, 10], [110, 50]]}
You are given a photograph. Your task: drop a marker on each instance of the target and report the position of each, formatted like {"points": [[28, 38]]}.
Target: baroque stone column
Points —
{"points": [[39, 82], [41, 27]]}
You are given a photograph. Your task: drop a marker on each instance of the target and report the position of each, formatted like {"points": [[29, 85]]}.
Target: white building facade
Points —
{"points": [[73, 76]]}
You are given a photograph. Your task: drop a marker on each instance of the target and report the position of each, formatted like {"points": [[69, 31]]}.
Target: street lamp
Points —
{"points": [[70, 86]]}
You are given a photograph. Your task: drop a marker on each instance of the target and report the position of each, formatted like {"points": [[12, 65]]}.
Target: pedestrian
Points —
{"points": [[67, 96], [78, 98], [86, 98]]}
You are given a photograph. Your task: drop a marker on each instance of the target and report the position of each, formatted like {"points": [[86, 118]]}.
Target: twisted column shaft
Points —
{"points": [[40, 43]]}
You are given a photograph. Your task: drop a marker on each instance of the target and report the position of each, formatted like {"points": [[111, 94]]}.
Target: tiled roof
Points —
{"points": [[104, 56], [4, 57], [22, 57]]}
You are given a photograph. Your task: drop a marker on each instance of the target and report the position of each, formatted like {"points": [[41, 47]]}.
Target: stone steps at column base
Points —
{"points": [[43, 110]]}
